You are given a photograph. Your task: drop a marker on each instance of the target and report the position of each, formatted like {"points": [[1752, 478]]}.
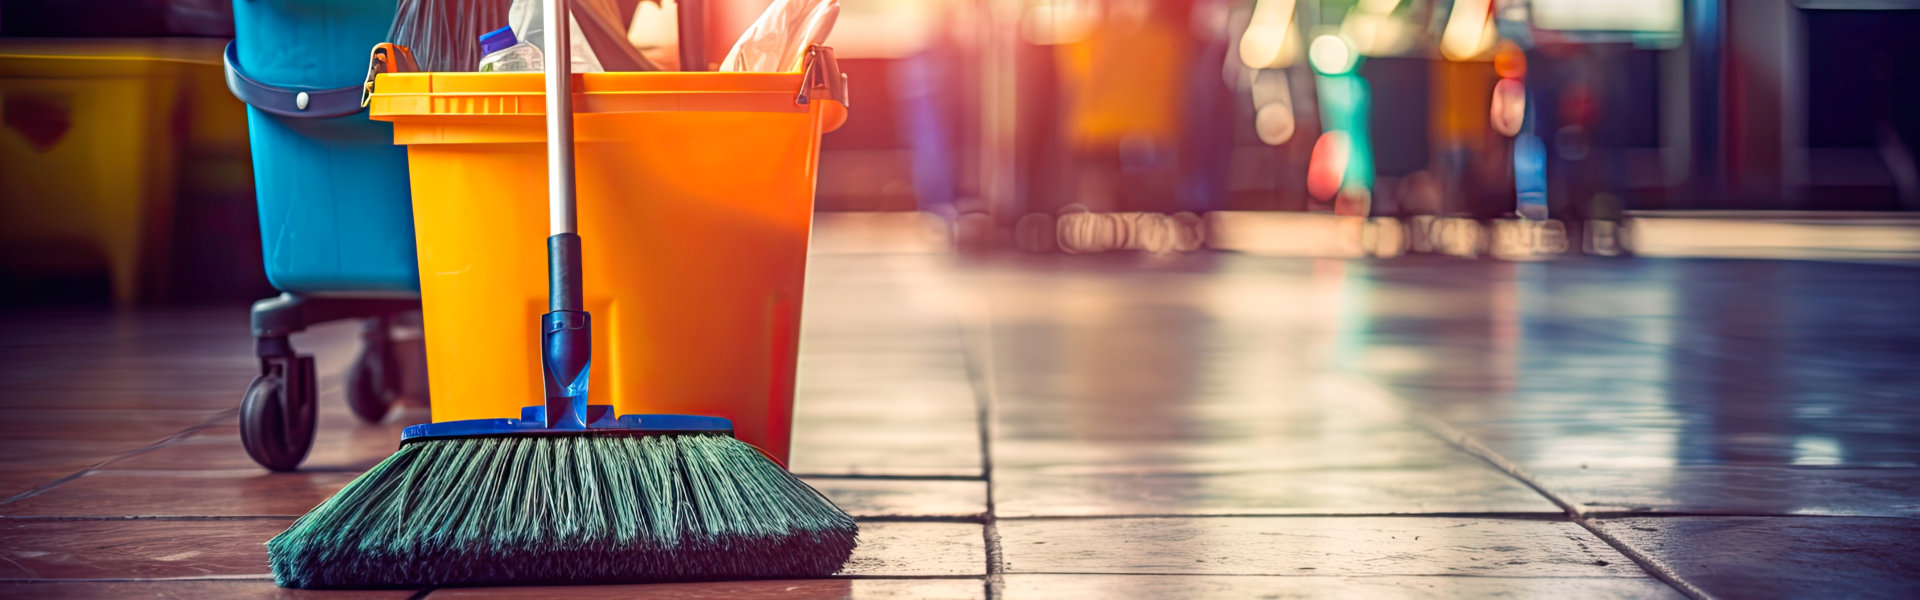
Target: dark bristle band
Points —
{"points": [[566, 510]]}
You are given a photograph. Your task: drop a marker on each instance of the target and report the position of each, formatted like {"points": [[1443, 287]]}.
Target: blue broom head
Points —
{"points": [[642, 498]]}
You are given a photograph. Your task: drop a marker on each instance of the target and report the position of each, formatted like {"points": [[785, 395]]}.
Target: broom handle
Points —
{"points": [[566, 342], [564, 244]]}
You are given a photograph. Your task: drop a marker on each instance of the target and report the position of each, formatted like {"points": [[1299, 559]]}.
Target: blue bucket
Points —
{"points": [[336, 213]]}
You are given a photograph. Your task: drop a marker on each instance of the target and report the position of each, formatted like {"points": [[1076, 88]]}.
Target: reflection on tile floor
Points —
{"points": [[1219, 587], [1205, 426], [1783, 557], [139, 548], [215, 589], [1348, 546], [828, 589]]}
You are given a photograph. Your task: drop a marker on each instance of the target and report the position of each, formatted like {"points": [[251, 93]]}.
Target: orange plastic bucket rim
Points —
{"points": [[410, 96]]}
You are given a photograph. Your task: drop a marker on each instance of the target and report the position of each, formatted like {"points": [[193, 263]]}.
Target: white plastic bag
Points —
{"points": [[778, 40], [529, 23]]}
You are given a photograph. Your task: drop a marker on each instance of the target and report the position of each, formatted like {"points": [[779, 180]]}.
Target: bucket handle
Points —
{"points": [[299, 102], [822, 72]]}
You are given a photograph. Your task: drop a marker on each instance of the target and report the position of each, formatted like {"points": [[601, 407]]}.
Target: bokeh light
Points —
{"points": [[1331, 55], [1265, 44], [1054, 22], [1509, 110], [1470, 32], [1274, 123], [1509, 60]]}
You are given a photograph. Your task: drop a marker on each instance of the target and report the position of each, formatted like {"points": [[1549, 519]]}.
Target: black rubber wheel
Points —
{"points": [[371, 383], [276, 428]]}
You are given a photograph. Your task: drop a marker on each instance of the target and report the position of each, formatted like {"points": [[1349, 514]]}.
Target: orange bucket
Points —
{"points": [[695, 200]]}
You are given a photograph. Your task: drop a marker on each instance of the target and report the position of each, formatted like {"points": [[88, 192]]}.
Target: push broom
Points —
{"points": [[568, 493]]}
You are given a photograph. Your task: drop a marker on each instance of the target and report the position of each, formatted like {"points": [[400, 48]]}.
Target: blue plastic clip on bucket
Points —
{"points": [[336, 213]]}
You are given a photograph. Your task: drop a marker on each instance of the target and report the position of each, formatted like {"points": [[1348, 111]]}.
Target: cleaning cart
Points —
{"points": [[335, 218]]}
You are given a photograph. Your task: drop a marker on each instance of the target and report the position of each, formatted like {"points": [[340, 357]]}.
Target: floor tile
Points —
{"points": [[1203, 419], [892, 549], [1464, 486], [46, 549], [16, 481], [810, 589], [25, 464], [97, 425], [915, 400], [241, 492], [832, 448], [882, 385], [348, 448], [1782, 557], [262, 589], [1597, 429], [199, 398], [110, 381], [1326, 546], [1740, 490], [1200, 452], [1211, 384], [866, 498], [341, 443], [868, 428], [1209, 587]]}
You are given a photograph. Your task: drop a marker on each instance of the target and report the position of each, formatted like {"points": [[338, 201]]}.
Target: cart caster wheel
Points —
{"points": [[371, 384], [277, 426]]}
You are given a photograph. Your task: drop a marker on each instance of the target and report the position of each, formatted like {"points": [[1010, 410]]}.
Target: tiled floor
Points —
{"points": [[1210, 425]]}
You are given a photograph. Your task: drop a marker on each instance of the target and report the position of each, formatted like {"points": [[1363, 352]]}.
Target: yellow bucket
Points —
{"points": [[695, 199], [95, 137]]}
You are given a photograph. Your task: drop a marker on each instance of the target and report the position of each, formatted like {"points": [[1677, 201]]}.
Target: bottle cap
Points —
{"points": [[496, 40]]}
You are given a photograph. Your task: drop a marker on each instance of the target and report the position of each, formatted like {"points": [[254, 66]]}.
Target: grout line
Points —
{"points": [[979, 364], [1627, 514], [885, 477], [1647, 563], [86, 518], [210, 421], [1466, 443], [266, 577], [1459, 439], [1511, 516], [916, 577], [979, 519], [1316, 574]]}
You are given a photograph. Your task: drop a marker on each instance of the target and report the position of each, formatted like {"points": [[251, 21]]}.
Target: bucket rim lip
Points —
{"points": [[424, 98], [534, 83]]}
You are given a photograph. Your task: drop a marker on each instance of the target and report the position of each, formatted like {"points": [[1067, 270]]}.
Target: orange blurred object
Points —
{"points": [[1509, 60], [695, 201], [1124, 81], [1327, 166], [1461, 94]]}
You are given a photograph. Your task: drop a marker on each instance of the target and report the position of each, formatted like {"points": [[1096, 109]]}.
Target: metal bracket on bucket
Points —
{"points": [[386, 58], [822, 71]]}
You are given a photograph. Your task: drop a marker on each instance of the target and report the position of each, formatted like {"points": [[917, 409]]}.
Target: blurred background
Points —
{"points": [[1497, 129], [1488, 297]]}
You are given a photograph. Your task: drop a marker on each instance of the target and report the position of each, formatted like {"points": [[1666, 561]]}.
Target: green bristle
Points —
{"points": [[589, 508]]}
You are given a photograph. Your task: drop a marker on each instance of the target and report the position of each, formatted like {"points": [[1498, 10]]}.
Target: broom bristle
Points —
{"points": [[589, 508]]}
